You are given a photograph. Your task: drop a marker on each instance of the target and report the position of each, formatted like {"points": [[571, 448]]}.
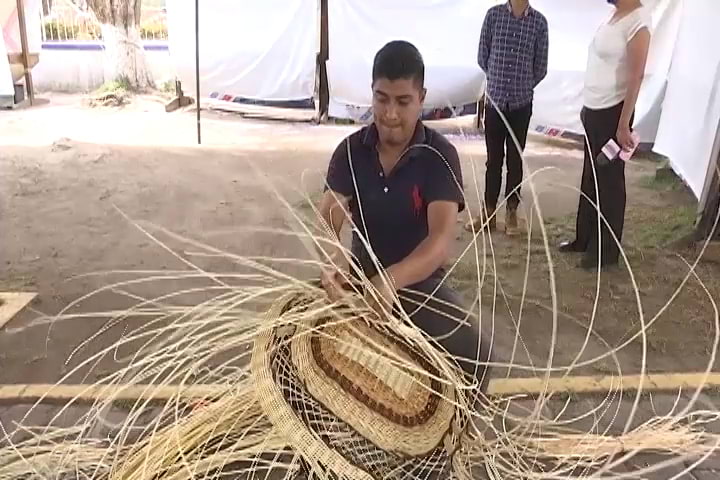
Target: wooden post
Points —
{"points": [[197, 68], [323, 56], [25, 54], [706, 227], [710, 199]]}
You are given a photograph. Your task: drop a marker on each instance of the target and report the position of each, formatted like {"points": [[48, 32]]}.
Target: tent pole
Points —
{"points": [[197, 68], [25, 54], [711, 170], [709, 206], [323, 56]]}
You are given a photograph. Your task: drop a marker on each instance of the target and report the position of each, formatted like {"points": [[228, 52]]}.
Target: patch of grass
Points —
{"points": [[645, 227], [658, 228], [168, 87], [465, 273], [114, 93], [117, 86], [560, 225], [663, 183], [649, 156]]}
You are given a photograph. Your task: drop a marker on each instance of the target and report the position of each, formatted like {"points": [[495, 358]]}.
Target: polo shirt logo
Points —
{"points": [[417, 200]]}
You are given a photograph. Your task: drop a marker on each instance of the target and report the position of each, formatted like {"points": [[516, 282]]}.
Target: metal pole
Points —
{"points": [[25, 53], [323, 57], [197, 68]]}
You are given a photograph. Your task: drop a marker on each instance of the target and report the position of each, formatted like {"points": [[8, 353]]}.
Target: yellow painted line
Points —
{"points": [[498, 387], [11, 303], [92, 393], [601, 384]]}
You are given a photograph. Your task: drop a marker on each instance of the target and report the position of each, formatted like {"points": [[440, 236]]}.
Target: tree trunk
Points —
{"points": [[124, 53], [125, 57]]}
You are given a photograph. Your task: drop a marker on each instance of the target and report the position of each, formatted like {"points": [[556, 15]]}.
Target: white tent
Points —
{"points": [[688, 133], [10, 43], [447, 34], [254, 49], [7, 91], [266, 50]]}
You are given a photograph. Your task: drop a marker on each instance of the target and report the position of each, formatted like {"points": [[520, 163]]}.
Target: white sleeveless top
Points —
{"points": [[607, 68]]}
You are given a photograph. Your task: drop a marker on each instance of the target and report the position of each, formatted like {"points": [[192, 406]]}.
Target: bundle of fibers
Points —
{"points": [[332, 388]]}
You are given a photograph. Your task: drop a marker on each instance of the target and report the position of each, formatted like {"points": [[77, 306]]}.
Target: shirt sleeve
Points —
{"points": [[444, 180], [639, 21], [485, 42], [339, 176], [542, 46]]}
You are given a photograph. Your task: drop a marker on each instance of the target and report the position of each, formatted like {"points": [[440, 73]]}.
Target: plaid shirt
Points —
{"points": [[513, 53]]}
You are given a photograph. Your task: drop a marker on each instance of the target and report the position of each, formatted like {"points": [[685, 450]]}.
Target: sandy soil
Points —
{"points": [[72, 180]]}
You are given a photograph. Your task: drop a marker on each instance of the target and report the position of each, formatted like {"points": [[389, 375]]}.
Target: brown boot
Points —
{"points": [[487, 220], [491, 218], [511, 222]]}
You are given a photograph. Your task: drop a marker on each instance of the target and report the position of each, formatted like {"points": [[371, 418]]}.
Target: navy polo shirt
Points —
{"points": [[391, 211]]}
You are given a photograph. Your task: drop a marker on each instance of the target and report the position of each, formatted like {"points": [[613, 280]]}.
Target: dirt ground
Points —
{"points": [[73, 179]]}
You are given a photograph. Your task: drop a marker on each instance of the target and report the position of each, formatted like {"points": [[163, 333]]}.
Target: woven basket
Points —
{"points": [[353, 395]]}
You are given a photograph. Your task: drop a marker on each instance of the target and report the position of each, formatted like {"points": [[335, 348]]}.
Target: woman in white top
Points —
{"points": [[615, 70]]}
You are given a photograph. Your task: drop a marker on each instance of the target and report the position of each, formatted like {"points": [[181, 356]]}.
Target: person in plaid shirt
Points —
{"points": [[513, 53]]}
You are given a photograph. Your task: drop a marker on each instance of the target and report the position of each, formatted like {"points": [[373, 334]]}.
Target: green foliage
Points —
{"points": [[168, 87], [153, 30], [120, 85], [59, 30], [661, 227], [663, 183]]}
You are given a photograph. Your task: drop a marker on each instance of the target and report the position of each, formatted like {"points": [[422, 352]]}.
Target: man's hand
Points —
{"points": [[624, 136], [382, 297], [332, 280], [333, 208]]}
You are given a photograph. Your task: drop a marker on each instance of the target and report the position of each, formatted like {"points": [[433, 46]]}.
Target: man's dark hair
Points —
{"points": [[399, 59]]}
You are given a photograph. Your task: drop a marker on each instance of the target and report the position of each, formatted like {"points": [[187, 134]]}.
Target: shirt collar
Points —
{"points": [[370, 138], [525, 13]]}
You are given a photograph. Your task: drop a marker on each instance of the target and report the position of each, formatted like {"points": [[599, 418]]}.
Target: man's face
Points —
{"points": [[397, 105]]}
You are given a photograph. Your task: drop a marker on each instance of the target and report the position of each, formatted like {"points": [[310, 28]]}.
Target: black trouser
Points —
{"points": [[500, 144], [438, 310], [600, 126], [441, 315]]}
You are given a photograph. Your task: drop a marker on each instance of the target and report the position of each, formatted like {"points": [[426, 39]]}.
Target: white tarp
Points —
{"points": [[7, 91], [11, 27], [691, 111], [266, 49], [10, 42], [447, 33], [255, 49]]}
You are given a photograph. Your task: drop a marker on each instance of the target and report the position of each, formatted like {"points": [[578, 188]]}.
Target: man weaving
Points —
{"points": [[401, 183]]}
